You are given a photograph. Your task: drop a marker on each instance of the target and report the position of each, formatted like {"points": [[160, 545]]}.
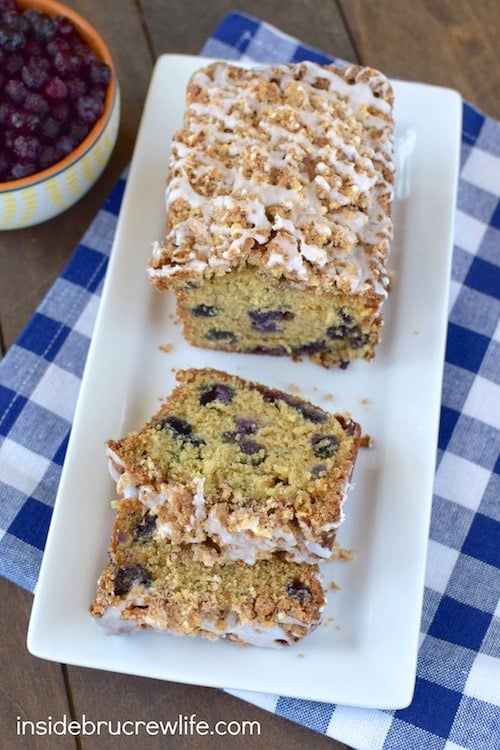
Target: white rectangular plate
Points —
{"points": [[364, 653]]}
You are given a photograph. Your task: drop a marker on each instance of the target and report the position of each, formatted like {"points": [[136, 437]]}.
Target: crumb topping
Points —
{"points": [[288, 168]]}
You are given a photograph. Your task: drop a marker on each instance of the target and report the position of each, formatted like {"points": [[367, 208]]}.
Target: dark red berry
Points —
{"points": [[9, 138], [11, 40], [89, 108], [48, 156], [56, 89], [20, 170], [23, 122], [11, 19], [13, 63], [36, 103], [63, 26], [35, 73], [61, 111], [67, 63], [16, 91], [100, 73], [43, 26], [33, 48], [78, 131], [6, 110], [65, 145], [75, 87], [58, 44], [26, 148], [50, 129], [98, 92]]}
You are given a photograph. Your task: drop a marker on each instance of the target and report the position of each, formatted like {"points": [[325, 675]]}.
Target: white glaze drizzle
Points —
{"points": [[240, 537], [346, 136]]}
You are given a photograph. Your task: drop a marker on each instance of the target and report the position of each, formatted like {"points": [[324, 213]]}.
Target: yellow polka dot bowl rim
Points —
{"points": [[46, 194]]}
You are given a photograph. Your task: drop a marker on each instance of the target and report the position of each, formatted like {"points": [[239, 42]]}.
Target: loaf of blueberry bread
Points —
{"points": [[150, 582], [240, 470], [279, 210]]}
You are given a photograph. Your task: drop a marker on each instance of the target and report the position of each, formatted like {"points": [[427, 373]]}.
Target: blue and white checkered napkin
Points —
{"points": [[457, 694]]}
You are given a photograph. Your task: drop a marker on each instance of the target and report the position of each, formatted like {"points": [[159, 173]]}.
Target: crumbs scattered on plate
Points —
{"points": [[167, 348], [366, 441], [342, 553]]}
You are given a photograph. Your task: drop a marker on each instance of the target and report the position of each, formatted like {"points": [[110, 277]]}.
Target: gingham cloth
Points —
{"points": [[457, 694]]}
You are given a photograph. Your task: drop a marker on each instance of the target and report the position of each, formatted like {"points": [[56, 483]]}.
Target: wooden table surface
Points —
{"points": [[445, 42]]}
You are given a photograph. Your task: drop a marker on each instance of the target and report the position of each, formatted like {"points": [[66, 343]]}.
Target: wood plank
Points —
{"points": [[183, 28], [445, 42], [115, 698], [31, 689]]}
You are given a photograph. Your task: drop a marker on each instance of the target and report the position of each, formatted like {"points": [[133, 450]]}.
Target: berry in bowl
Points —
{"points": [[59, 110]]}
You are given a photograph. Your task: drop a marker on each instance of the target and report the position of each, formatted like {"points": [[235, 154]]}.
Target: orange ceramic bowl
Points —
{"points": [[42, 195]]}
